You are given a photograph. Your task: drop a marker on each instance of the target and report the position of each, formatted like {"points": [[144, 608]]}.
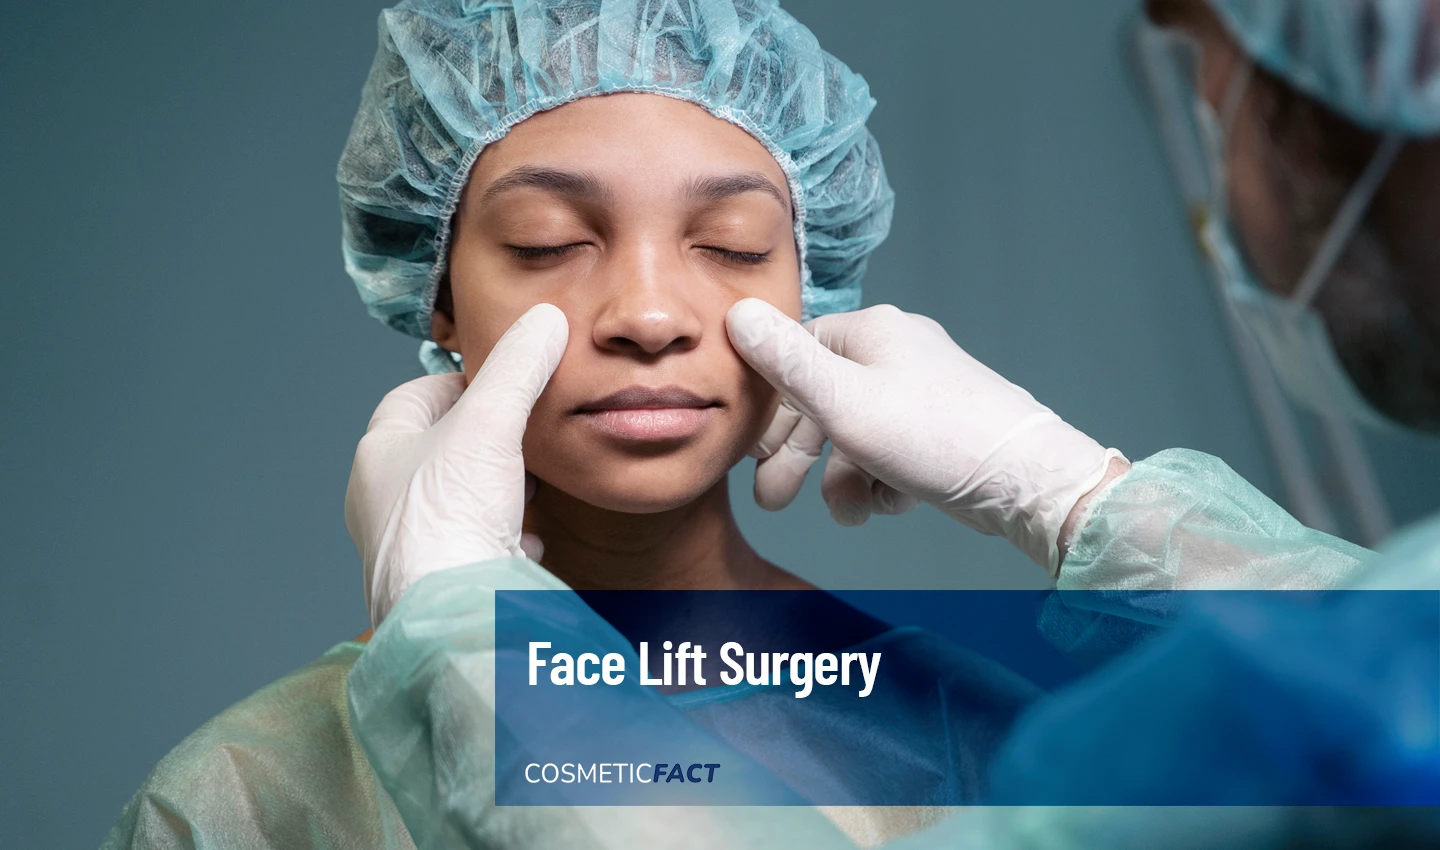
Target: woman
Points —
{"points": [[643, 170]]}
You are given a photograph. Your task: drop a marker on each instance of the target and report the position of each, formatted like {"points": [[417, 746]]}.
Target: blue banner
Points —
{"points": [[931, 698]]}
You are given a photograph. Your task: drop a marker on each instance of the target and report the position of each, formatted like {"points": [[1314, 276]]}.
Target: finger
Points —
{"points": [[886, 500], [498, 402], [846, 489], [532, 547], [779, 477], [416, 405], [811, 376], [785, 419]]}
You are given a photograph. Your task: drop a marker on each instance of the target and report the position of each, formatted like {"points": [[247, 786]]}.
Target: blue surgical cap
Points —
{"points": [[1377, 62], [452, 76]]}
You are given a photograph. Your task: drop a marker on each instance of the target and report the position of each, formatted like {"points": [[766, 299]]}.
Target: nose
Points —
{"points": [[647, 312]]}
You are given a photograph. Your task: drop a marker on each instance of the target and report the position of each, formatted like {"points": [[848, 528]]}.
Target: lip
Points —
{"points": [[646, 398], [644, 414]]}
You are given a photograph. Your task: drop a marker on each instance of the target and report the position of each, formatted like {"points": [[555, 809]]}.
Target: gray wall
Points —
{"points": [[186, 368]]}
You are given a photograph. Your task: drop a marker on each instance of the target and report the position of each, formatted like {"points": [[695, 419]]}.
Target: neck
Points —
{"points": [[697, 546]]}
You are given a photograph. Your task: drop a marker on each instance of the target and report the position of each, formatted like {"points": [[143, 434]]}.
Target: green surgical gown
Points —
{"points": [[279, 769]]}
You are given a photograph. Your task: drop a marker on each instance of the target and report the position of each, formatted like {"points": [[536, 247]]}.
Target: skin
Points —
{"points": [[643, 218]]}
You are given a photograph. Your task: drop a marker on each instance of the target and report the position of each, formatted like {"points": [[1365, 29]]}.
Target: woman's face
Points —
{"points": [[644, 218]]}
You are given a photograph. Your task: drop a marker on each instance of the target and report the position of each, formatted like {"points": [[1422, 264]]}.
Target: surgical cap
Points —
{"points": [[1377, 62], [452, 76]]}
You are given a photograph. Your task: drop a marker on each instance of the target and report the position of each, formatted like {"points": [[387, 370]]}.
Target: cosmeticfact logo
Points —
{"points": [[610, 773]]}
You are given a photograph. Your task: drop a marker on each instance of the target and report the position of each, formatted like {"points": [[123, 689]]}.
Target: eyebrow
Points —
{"points": [[573, 184], [722, 187], [584, 186]]}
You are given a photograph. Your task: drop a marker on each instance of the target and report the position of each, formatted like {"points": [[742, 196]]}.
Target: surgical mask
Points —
{"points": [[1289, 330]]}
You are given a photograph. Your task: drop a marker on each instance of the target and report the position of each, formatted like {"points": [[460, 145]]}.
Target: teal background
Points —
{"points": [[187, 369]]}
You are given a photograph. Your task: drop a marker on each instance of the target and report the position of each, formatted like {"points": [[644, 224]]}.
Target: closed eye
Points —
{"points": [[542, 252], [743, 258]]}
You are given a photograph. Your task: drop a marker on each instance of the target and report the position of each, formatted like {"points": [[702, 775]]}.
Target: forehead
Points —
{"points": [[629, 137]]}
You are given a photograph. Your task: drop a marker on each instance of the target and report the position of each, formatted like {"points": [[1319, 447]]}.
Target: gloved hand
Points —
{"points": [[911, 416], [438, 480]]}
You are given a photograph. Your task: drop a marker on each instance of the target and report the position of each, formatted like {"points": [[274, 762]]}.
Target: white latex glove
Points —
{"points": [[438, 480], [912, 417]]}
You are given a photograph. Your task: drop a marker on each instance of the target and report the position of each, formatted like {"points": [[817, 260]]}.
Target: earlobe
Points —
{"points": [[442, 330]]}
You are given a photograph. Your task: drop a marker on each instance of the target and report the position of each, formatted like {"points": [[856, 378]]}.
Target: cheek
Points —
{"points": [[756, 403], [759, 399], [479, 327], [543, 432], [482, 322], [484, 313], [784, 292], [1266, 228], [556, 449], [486, 304], [776, 282], [542, 447]]}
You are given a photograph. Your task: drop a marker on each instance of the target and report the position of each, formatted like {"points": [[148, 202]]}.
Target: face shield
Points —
{"points": [[1291, 333]]}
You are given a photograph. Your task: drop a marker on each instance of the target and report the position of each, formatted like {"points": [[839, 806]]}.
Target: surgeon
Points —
{"points": [[1322, 119]]}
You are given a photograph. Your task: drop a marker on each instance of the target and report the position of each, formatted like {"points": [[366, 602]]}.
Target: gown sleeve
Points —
{"points": [[1180, 520], [1184, 520]]}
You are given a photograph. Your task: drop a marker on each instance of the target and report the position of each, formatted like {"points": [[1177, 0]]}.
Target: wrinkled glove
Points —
{"points": [[912, 417]]}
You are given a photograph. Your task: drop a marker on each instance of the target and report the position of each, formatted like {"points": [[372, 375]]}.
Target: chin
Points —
{"points": [[640, 485]]}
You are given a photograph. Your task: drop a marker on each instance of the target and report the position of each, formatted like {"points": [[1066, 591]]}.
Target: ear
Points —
{"points": [[442, 330]]}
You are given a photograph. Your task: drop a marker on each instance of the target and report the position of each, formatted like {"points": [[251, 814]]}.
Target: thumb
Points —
{"points": [[812, 377], [498, 402]]}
